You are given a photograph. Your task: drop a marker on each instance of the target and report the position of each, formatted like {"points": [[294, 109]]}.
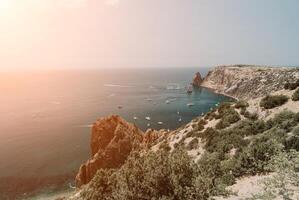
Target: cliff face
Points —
{"points": [[247, 82], [112, 140]]}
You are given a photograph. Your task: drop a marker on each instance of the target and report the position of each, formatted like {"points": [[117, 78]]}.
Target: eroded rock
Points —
{"points": [[112, 141]]}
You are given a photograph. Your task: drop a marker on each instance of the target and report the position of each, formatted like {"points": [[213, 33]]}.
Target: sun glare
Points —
{"points": [[5, 6]]}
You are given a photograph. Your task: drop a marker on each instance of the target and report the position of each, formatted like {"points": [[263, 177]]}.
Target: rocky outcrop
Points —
{"points": [[197, 80], [247, 82], [112, 140]]}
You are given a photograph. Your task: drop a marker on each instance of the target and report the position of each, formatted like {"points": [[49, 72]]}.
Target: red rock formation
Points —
{"points": [[111, 142], [197, 80]]}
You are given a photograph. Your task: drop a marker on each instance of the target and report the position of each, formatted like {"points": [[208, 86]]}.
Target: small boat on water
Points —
{"points": [[148, 118], [160, 123], [135, 118], [168, 101], [148, 125], [190, 104], [180, 119], [178, 112]]}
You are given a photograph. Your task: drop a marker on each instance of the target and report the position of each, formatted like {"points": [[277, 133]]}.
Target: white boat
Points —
{"points": [[178, 112], [180, 119], [148, 125], [168, 101], [160, 123], [135, 118], [148, 118], [190, 104]]}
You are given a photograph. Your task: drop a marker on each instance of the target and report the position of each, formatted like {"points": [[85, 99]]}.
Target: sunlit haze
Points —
{"points": [[48, 34]]}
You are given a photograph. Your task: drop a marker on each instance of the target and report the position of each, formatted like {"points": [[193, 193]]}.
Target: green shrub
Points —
{"points": [[292, 142], [165, 146], [291, 86], [282, 183], [155, 175], [243, 110], [284, 120], [251, 116], [295, 96], [255, 158], [241, 104], [193, 144], [229, 116], [272, 101]]}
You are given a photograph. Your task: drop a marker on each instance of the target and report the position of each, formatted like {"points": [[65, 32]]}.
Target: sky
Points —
{"points": [[48, 34]]}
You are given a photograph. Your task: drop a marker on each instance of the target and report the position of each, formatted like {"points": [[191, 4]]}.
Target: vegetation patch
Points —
{"points": [[228, 116], [193, 144], [272, 101], [295, 96], [241, 104], [291, 86], [165, 175]]}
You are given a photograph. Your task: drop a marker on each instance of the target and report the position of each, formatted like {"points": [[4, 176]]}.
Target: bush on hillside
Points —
{"points": [[241, 104], [255, 158], [251, 116], [156, 175], [272, 101], [281, 184], [193, 144], [295, 96], [291, 86], [285, 120], [243, 110], [292, 142]]}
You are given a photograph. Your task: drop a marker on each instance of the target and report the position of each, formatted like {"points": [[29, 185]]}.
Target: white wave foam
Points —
{"points": [[173, 86]]}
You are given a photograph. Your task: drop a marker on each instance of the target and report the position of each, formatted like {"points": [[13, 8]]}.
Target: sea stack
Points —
{"points": [[111, 143], [197, 80]]}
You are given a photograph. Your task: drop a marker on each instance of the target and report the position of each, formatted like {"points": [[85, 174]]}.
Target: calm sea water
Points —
{"points": [[45, 116]]}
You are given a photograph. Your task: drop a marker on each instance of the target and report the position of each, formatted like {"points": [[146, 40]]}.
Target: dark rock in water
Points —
{"points": [[197, 80], [111, 142]]}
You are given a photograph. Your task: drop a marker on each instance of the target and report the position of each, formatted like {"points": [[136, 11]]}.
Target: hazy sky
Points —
{"points": [[147, 33]]}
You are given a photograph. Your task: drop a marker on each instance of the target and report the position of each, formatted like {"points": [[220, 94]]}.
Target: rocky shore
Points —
{"points": [[248, 81]]}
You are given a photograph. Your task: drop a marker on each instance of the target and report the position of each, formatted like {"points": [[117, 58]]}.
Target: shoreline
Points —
{"points": [[222, 93]]}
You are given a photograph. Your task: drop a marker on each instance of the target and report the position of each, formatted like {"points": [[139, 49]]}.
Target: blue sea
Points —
{"points": [[46, 116]]}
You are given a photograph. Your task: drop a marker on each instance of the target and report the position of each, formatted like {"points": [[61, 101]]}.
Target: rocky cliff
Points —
{"points": [[197, 80], [246, 82], [111, 142]]}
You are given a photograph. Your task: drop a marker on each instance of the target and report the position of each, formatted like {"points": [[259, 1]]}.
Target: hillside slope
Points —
{"points": [[247, 82]]}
